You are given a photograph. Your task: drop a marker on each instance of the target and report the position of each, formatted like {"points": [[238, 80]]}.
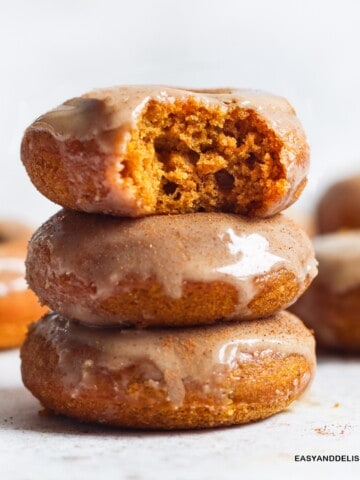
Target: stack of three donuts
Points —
{"points": [[169, 321]]}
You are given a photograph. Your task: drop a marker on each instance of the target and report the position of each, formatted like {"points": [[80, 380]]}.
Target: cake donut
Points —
{"points": [[18, 305], [140, 150], [339, 208], [165, 270], [168, 378], [331, 306]]}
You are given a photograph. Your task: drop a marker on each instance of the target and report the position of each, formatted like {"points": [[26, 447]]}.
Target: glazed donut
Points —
{"points": [[18, 305], [339, 208], [331, 306], [168, 378], [134, 151], [164, 270]]}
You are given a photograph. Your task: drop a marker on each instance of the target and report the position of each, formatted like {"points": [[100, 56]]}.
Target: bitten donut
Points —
{"points": [[134, 151], [331, 306], [168, 378], [164, 270], [339, 208], [18, 305]]}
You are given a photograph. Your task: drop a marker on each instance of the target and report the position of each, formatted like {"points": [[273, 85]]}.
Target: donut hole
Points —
{"points": [[186, 156]]}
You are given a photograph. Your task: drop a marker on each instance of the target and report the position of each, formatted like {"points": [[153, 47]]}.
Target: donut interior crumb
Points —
{"points": [[187, 156]]}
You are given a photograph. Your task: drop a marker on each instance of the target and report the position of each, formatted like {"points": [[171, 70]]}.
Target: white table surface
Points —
{"points": [[325, 421]]}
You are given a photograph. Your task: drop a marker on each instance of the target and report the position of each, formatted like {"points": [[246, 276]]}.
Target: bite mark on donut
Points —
{"points": [[186, 156]]}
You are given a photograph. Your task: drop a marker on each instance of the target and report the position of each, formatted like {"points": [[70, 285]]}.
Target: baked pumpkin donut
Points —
{"points": [[331, 306], [339, 208], [18, 305], [168, 378], [164, 270], [134, 151]]}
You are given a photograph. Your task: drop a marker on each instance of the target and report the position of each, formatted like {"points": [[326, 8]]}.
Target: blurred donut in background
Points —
{"points": [[18, 305], [339, 207], [331, 306]]}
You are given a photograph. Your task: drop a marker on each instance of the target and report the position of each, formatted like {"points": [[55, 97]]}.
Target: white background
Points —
{"points": [[307, 51]]}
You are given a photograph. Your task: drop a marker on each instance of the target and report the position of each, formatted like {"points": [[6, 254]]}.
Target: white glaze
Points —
{"points": [[108, 254], [119, 108], [170, 358]]}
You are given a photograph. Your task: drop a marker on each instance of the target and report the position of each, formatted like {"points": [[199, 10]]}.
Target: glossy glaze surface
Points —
{"points": [[103, 252], [171, 358]]}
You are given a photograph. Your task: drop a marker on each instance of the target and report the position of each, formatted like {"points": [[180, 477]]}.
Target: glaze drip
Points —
{"points": [[171, 358], [106, 254]]}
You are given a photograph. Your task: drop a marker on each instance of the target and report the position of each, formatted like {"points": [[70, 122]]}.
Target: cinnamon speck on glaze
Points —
{"points": [[168, 270], [169, 378]]}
